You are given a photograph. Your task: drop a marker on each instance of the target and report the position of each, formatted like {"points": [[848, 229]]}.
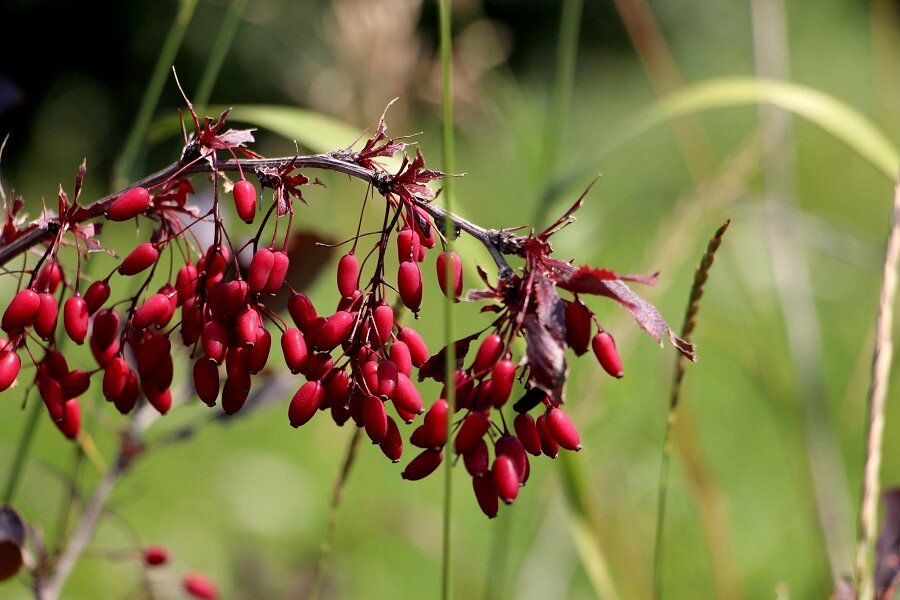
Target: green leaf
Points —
{"points": [[840, 120], [312, 130]]}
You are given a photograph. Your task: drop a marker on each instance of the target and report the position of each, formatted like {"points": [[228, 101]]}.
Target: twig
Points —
{"points": [[333, 512], [881, 370], [687, 330]]}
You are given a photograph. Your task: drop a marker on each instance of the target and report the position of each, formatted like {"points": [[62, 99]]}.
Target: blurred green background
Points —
{"points": [[773, 415]]}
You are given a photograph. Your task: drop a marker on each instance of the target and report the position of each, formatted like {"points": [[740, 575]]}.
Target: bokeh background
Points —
{"points": [[772, 426]]}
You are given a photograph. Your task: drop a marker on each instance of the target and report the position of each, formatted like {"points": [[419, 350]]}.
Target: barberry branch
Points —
{"points": [[497, 242]]}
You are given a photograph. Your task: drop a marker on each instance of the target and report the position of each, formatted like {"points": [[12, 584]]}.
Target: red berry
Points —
{"points": [[392, 444], [511, 446], [407, 245], [374, 418], [114, 376], [549, 446], [215, 341], [260, 268], [335, 330], [578, 327], [278, 273], [198, 586], [423, 465], [155, 556], [206, 380], [75, 318], [486, 494], [347, 274], [129, 205], [337, 388], [317, 365], [71, 419], [418, 351], [383, 317], [259, 353], [406, 397], [139, 259], [75, 383], [527, 432], [474, 427], [434, 426], [161, 400], [488, 353], [50, 277], [186, 283], [424, 228], [305, 403], [445, 261], [605, 350], [153, 308], [409, 284], [506, 478], [106, 328], [10, 363], [477, 460], [244, 200], [563, 430], [302, 310], [21, 311], [96, 296], [249, 326], [294, 348], [55, 364], [151, 352], [46, 317], [51, 394], [503, 376], [234, 394], [399, 354], [237, 365], [129, 396], [387, 378]]}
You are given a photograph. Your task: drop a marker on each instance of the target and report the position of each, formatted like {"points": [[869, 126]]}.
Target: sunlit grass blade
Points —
{"points": [[687, 330], [164, 62]]}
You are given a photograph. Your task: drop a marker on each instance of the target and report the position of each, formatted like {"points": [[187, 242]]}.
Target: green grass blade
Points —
{"points": [[838, 119], [219, 50], [154, 90]]}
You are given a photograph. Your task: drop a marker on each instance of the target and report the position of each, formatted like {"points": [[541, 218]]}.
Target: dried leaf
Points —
{"points": [[435, 367]]}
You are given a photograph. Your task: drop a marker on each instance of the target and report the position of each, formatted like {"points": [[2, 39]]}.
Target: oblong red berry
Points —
{"points": [[374, 418], [106, 328], [337, 388], [423, 465], [46, 317], [486, 494], [206, 380], [563, 430], [383, 317], [140, 259], [151, 352], [114, 376], [477, 459], [474, 427], [450, 276], [186, 282], [161, 400], [294, 348], [549, 446], [387, 378], [21, 310], [335, 330], [200, 587], [215, 341], [96, 296], [400, 356], [51, 394], [405, 396], [259, 353], [214, 262], [305, 403], [129, 396], [347, 274], [418, 351], [55, 364], [407, 245], [75, 318], [301, 310], [578, 327], [75, 383], [279, 271], [129, 205], [260, 268], [244, 195], [506, 478], [70, 424], [50, 277], [527, 432], [503, 376], [434, 425], [155, 556], [153, 308], [605, 350], [317, 365], [10, 364], [511, 446], [409, 284], [392, 444], [234, 394], [249, 326], [488, 353]]}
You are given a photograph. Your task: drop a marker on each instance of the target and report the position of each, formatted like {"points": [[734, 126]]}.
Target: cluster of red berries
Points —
{"points": [[194, 585], [358, 360]]}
